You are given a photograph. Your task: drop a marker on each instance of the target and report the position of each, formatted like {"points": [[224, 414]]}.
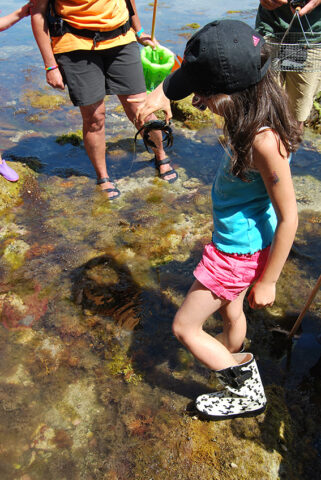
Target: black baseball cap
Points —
{"points": [[222, 57]]}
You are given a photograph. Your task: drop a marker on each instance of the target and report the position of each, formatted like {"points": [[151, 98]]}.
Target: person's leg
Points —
{"points": [[83, 73], [198, 305], [156, 136], [301, 89], [125, 78], [94, 140], [234, 324]]}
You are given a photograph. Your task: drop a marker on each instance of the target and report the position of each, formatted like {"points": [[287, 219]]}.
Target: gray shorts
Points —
{"points": [[92, 74]]}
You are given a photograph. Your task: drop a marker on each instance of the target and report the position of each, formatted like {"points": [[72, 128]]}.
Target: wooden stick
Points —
{"points": [[305, 308], [154, 20]]}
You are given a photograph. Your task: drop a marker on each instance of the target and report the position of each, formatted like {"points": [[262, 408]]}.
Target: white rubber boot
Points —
{"points": [[242, 395]]}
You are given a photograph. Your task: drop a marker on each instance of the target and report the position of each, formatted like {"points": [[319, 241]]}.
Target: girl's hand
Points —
{"points": [[54, 79], [155, 101], [146, 40], [262, 295], [26, 9]]}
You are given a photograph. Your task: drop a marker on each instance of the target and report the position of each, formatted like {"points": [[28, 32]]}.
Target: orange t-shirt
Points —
{"points": [[97, 15]]}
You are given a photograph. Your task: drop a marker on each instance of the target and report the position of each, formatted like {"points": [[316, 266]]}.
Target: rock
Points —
{"points": [[11, 192]]}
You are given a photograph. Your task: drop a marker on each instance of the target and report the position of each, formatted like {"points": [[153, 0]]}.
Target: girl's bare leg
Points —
{"points": [[234, 324], [198, 305]]}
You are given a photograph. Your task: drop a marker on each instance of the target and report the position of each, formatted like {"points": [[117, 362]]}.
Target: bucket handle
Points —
{"points": [[296, 15]]}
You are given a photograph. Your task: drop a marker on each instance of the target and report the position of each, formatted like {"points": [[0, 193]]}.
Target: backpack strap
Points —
{"points": [[130, 8], [59, 27]]}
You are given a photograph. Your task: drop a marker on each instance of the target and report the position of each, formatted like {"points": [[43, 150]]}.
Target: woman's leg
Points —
{"points": [[93, 117], [156, 136], [234, 324], [198, 305]]}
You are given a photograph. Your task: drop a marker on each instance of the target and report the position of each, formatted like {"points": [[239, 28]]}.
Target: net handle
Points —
{"points": [[154, 20]]}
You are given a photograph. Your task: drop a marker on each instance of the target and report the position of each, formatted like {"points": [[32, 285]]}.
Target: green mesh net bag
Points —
{"points": [[157, 64]]}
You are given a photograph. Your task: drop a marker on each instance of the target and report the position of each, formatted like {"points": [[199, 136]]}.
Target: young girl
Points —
{"points": [[6, 22], [254, 206]]}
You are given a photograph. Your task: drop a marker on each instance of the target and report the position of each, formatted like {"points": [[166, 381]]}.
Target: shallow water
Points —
{"points": [[92, 383]]}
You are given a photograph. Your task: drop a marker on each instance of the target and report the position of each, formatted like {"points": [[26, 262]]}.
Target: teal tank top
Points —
{"points": [[243, 215]]}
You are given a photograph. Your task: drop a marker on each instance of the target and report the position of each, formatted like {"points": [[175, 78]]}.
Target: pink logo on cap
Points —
{"points": [[255, 40]]}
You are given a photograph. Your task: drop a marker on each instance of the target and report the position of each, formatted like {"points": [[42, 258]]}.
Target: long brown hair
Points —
{"points": [[263, 104]]}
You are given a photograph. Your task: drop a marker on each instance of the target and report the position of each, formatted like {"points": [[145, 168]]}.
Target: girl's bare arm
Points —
{"points": [[156, 100], [276, 174], [14, 17]]}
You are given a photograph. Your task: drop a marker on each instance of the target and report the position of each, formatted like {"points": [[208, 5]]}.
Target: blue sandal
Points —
{"points": [[108, 190]]}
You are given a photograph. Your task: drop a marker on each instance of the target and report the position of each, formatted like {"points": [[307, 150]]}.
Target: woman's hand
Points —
{"points": [[146, 40], [54, 79], [262, 295]]}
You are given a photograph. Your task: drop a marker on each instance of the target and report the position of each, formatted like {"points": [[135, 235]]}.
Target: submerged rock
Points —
{"points": [[74, 138], [191, 117], [44, 101], [11, 193], [14, 253]]}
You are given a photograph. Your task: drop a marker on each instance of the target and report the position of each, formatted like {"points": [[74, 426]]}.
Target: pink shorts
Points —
{"points": [[228, 274]]}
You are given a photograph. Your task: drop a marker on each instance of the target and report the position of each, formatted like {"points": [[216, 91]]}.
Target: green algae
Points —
{"points": [[14, 253], [183, 111], [119, 109], [74, 138], [44, 101], [11, 192], [193, 26], [32, 162], [278, 427], [314, 120], [37, 118], [155, 197], [120, 365]]}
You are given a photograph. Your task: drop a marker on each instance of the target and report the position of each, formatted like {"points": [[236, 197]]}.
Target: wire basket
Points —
{"points": [[297, 52]]}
